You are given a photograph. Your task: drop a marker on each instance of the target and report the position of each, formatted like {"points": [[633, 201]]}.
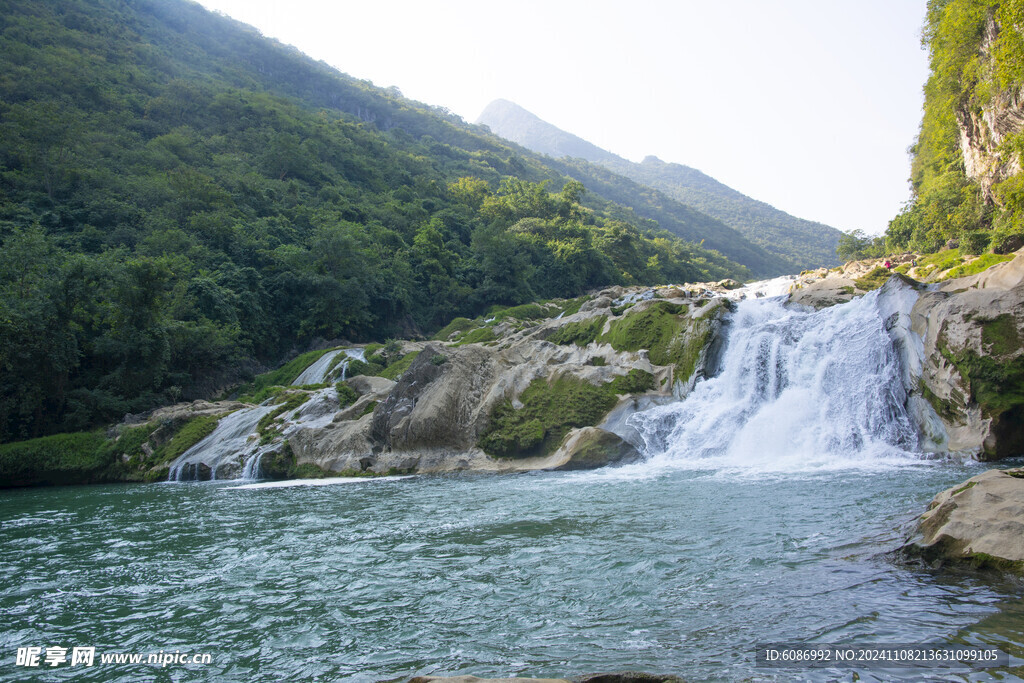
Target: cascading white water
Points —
{"points": [[353, 354], [317, 372], [796, 391], [226, 448], [325, 367]]}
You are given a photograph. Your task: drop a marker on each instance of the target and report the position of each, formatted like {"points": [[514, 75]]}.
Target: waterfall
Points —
{"points": [[353, 354], [317, 372], [324, 368], [224, 451], [795, 390]]}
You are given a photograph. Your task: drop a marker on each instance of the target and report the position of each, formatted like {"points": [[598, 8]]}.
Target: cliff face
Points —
{"points": [[983, 131]]}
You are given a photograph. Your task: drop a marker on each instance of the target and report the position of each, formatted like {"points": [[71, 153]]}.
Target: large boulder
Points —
{"points": [[588, 448], [980, 521], [972, 330]]}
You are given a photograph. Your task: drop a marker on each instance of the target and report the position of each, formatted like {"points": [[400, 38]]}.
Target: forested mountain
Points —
{"points": [[183, 201], [796, 243], [966, 164]]}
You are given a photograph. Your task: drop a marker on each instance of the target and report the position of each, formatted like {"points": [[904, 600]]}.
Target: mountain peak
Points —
{"points": [[804, 244]]}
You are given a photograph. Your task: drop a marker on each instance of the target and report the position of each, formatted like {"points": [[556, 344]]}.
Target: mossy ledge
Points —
{"points": [[551, 409], [670, 336]]}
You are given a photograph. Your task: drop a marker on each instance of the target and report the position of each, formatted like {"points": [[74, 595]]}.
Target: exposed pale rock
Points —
{"points": [[588, 448], [979, 521], [950, 320], [432, 418]]}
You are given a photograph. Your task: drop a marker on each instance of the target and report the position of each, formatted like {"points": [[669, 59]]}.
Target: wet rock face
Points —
{"points": [[972, 331], [980, 522], [588, 448]]}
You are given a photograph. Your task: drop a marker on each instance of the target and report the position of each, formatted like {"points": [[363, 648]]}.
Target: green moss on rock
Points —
{"points": [[580, 333], [399, 366], [873, 280], [550, 410], [670, 337]]}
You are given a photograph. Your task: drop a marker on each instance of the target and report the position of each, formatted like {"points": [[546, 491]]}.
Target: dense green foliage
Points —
{"points": [[59, 459], [769, 241], [967, 75], [183, 201], [550, 410]]}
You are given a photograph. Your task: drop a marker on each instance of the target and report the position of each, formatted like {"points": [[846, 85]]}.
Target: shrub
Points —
{"points": [[346, 394]]}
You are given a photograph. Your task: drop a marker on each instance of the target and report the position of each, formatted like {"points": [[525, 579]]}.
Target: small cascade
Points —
{"points": [[353, 354], [224, 451], [795, 391], [317, 372]]}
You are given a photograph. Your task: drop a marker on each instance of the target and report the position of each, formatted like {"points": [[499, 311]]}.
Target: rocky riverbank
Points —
{"points": [[979, 522]]}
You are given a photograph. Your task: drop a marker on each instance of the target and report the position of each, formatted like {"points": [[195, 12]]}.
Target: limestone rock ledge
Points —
{"points": [[433, 418], [980, 522]]}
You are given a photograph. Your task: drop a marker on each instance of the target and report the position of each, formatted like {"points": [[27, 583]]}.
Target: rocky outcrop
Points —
{"points": [[971, 330], [432, 419], [588, 448], [963, 346], [980, 522], [982, 131]]}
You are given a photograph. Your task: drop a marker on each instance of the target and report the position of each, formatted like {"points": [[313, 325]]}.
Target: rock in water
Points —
{"points": [[980, 521], [588, 448]]}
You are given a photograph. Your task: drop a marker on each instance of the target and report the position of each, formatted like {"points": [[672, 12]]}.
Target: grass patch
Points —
{"points": [[266, 428], [456, 325], [580, 333], [942, 260], [669, 337], [78, 458], [525, 312], [978, 265], [550, 410], [874, 279], [346, 394], [191, 433], [370, 407], [399, 366], [284, 375], [572, 306], [619, 310], [478, 336]]}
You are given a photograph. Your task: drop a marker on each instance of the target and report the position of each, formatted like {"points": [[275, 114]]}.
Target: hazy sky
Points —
{"points": [[809, 105]]}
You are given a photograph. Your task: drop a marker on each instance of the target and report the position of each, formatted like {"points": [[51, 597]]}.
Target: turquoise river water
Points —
{"points": [[682, 571]]}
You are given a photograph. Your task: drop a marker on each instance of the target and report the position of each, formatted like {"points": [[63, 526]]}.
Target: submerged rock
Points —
{"points": [[980, 522]]}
